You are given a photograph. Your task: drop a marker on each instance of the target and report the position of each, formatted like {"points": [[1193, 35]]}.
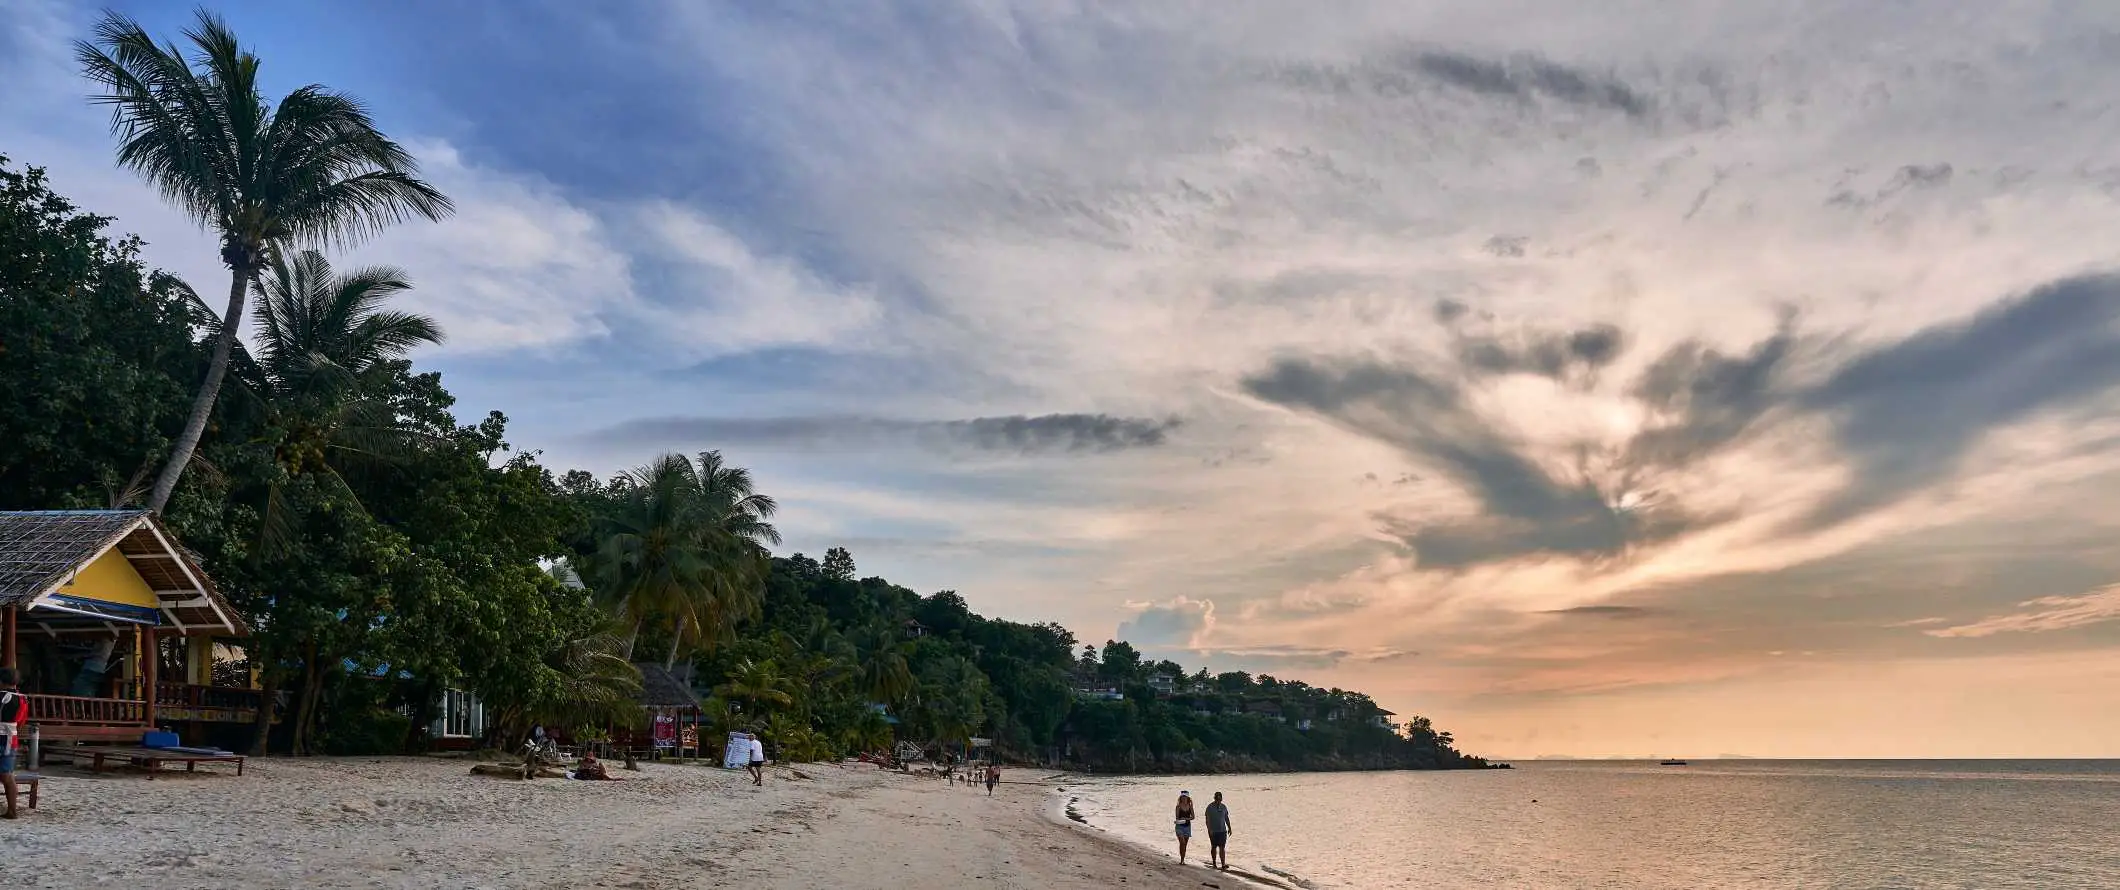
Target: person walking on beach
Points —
{"points": [[1218, 834], [14, 706], [758, 760], [1185, 817], [993, 777]]}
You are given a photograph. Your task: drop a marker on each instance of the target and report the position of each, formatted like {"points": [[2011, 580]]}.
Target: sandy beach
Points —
{"points": [[428, 823]]}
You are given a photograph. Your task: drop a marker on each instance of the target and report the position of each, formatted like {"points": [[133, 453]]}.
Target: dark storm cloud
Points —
{"points": [[1906, 414], [1018, 434]]}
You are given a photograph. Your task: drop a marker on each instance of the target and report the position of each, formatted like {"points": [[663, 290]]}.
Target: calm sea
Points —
{"points": [[1569, 825]]}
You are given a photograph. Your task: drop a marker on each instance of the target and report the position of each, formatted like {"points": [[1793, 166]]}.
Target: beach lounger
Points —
{"points": [[151, 758]]}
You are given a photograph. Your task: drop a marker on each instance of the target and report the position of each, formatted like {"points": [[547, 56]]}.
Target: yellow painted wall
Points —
{"points": [[111, 579]]}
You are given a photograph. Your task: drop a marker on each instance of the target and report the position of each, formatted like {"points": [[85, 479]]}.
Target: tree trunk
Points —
{"points": [[300, 744], [632, 638], [209, 390], [676, 637], [268, 696]]}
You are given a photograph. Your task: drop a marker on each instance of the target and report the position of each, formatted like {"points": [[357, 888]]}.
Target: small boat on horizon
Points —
{"points": [[1672, 762]]}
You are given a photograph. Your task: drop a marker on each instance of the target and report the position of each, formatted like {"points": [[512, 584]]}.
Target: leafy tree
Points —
{"points": [[312, 168], [89, 335]]}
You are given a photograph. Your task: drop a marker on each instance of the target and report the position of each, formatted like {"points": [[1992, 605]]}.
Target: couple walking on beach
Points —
{"points": [[1217, 830]]}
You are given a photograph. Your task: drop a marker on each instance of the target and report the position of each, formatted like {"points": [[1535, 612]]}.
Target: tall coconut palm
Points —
{"points": [[683, 545], [311, 169]]}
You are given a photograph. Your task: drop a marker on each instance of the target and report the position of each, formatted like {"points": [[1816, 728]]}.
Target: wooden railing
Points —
{"points": [[190, 701], [73, 710]]}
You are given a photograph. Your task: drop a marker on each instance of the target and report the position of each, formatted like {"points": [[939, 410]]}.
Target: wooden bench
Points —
{"points": [[151, 758]]}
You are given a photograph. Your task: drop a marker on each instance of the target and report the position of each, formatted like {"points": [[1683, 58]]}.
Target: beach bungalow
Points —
{"points": [[914, 630], [1381, 719], [115, 629], [669, 707]]}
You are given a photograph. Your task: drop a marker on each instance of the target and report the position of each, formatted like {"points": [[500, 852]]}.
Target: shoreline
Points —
{"points": [[1062, 813], [415, 823]]}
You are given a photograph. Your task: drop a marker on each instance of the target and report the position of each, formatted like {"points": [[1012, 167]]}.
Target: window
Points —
{"points": [[463, 716]]}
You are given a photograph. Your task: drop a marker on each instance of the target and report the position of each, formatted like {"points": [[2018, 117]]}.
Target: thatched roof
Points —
{"points": [[40, 550], [661, 689]]}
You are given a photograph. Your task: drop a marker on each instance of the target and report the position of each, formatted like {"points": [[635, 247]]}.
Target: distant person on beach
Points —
{"points": [[993, 777], [758, 760], [1184, 817], [591, 769], [14, 706], [1218, 834]]}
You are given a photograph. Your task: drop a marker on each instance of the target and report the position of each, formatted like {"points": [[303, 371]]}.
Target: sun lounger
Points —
{"points": [[151, 758]]}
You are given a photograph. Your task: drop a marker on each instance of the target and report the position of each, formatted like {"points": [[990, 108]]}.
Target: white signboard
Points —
{"points": [[737, 754]]}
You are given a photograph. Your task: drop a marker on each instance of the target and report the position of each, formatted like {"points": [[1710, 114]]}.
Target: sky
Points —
{"points": [[1632, 378]]}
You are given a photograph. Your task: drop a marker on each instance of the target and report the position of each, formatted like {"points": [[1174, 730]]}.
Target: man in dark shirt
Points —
{"points": [[1218, 834]]}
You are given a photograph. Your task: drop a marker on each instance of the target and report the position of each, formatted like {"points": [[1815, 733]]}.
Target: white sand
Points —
{"points": [[428, 823]]}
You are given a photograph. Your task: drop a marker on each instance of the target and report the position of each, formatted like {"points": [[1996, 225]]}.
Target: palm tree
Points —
{"points": [[755, 684], [312, 169], [684, 544], [325, 347], [886, 676]]}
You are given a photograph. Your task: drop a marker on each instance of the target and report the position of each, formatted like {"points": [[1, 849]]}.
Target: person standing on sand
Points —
{"points": [[1218, 834], [993, 777], [1184, 817], [14, 706], [758, 760]]}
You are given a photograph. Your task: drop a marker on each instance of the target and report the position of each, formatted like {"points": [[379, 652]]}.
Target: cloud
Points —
{"points": [[1556, 355], [1178, 622], [1524, 510], [1522, 78], [1906, 413], [1603, 611], [1700, 400], [519, 265], [718, 295], [1044, 434], [2046, 613]]}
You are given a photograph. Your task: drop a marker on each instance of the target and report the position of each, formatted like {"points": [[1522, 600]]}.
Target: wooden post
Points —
{"points": [[150, 662], [7, 636]]}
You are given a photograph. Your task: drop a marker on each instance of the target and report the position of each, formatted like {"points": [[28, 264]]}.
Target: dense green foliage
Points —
{"points": [[383, 551]]}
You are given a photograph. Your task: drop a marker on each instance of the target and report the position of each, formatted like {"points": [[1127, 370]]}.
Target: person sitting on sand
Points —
{"points": [[993, 777], [591, 768], [1184, 817], [1218, 834]]}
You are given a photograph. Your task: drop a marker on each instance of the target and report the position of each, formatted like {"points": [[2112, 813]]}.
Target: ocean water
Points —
{"points": [[1572, 825]]}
